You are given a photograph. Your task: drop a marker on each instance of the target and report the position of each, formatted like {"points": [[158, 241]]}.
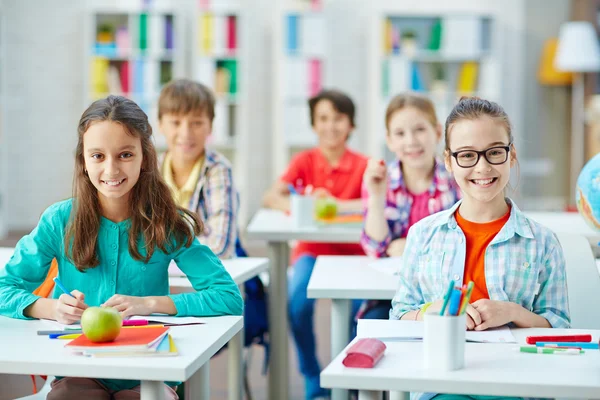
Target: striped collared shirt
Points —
{"points": [[524, 264]]}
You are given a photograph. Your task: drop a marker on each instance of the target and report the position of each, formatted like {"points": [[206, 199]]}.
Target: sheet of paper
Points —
{"points": [[392, 330], [390, 266], [169, 319], [55, 325]]}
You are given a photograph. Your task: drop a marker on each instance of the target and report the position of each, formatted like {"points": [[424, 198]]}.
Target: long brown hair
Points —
{"points": [[155, 218]]}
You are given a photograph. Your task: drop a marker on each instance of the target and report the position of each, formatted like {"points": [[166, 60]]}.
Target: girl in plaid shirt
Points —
{"points": [[413, 186], [516, 264]]}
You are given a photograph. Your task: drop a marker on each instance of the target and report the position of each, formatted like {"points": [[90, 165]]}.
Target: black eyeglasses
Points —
{"points": [[494, 155]]}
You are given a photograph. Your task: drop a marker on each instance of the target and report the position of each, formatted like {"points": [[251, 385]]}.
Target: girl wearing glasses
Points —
{"points": [[517, 265]]}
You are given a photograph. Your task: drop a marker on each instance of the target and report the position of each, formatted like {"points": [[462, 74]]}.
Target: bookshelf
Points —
{"points": [[442, 54], [300, 48], [217, 63], [133, 47]]}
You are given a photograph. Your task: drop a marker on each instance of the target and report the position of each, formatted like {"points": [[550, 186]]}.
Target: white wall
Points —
{"points": [[42, 103]]}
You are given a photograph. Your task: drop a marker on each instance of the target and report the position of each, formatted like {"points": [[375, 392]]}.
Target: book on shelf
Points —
{"points": [[217, 34], [292, 42], [314, 77], [143, 32], [467, 79]]}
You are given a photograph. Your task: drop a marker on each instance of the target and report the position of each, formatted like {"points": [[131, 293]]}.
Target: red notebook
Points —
{"points": [[365, 353], [128, 339]]}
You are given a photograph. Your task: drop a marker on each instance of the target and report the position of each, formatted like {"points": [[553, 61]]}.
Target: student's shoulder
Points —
{"points": [[304, 157], [357, 157], [433, 223], [214, 159], [58, 213], [544, 236]]}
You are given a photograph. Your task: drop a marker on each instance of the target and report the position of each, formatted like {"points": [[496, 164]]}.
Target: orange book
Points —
{"points": [[343, 219], [128, 340]]}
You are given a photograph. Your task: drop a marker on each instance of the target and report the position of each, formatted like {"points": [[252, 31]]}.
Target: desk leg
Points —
{"points": [[399, 396], [152, 390], [278, 360], [340, 336], [236, 366], [369, 395], [198, 386]]}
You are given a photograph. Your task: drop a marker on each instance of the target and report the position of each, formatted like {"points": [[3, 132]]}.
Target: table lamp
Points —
{"points": [[577, 52]]}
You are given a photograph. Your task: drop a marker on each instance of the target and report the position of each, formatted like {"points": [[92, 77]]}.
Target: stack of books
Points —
{"points": [[139, 342]]}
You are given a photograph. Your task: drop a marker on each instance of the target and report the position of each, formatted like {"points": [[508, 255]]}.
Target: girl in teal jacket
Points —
{"points": [[114, 241]]}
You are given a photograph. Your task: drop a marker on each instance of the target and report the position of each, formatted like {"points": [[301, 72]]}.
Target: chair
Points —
{"points": [[42, 394], [583, 281]]}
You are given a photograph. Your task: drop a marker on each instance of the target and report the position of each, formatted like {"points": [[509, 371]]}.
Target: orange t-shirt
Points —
{"points": [[478, 236], [343, 181]]}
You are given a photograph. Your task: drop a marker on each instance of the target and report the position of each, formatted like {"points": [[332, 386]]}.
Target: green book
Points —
{"points": [[231, 66], [436, 36], [143, 31]]}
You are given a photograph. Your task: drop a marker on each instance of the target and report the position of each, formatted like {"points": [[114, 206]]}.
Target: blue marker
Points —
{"points": [[62, 287], [454, 302], [292, 189], [583, 345], [447, 297]]}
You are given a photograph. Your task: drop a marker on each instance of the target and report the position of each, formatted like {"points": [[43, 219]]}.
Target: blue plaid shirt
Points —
{"points": [[524, 264]]}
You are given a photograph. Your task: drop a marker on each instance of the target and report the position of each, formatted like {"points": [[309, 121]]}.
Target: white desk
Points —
{"points": [[240, 269], [22, 351], [343, 279], [277, 229], [490, 369], [564, 222]]}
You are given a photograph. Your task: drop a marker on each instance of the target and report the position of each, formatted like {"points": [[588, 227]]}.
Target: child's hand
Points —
{"points": [[129, 305], [375, 177], [69, 309], [493, 313], [321, 192], [473, 316], [396, 248]]}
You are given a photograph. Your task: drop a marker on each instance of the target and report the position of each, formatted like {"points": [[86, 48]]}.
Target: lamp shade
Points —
{"points": [[578, 49], [547, 73]]}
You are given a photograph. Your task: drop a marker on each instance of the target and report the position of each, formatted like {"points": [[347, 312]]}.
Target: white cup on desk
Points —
{"points": [[444, 341], [302, 210]]}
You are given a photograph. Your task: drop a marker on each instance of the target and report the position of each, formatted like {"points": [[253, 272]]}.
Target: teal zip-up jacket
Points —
{"points": [[118, 273]]}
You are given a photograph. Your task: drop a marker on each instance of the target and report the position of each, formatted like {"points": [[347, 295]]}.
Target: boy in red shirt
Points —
{"points": [[332, 170]]}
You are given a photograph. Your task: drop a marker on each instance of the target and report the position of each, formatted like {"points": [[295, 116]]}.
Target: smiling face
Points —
{"points": [[331, 126], [113, 160], [483, 182], [412, 137], [186, 134]]}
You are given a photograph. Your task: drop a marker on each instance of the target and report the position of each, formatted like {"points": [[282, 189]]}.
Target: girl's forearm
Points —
{"points": [[376, 226], [526, 319], [161, 305], [41, 309]]}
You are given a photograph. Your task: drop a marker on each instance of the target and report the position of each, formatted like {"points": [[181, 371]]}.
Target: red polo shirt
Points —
{"points": [[343, 181]]}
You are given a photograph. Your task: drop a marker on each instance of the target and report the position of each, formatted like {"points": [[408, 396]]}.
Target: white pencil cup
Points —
{"points": [[302, 210], [444, 341]]}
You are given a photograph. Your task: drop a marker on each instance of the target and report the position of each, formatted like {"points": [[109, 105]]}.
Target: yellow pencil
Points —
{"points": [[465, 301]]}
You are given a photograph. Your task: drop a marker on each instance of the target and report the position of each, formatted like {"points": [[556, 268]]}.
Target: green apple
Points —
{"points": [[101, 324], [325, 207]]}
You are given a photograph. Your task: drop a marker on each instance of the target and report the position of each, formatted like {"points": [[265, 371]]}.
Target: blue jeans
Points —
{"points": [[301, 312]]}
